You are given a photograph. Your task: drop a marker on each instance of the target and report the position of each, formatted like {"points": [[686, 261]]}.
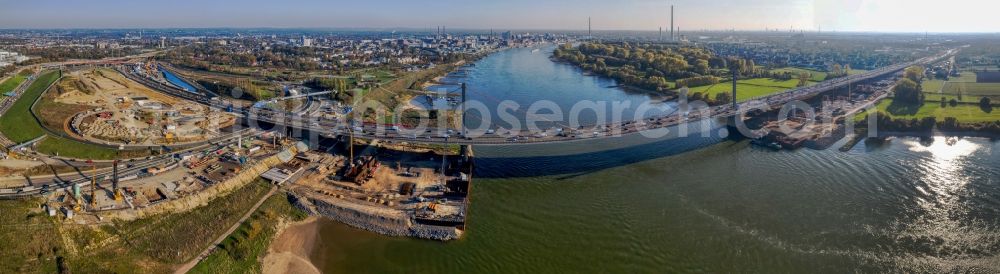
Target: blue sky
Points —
{"points": [[844, 15]]}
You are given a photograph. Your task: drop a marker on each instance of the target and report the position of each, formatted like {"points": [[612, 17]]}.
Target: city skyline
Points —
{"points": [[637, 15]]}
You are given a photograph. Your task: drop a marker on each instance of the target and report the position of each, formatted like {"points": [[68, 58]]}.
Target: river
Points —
{"points": [[700, 204], [521, 77]]}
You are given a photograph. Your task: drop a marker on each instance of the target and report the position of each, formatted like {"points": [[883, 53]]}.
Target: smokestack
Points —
{"points": [[661, 35], [671, 22], [590, 30]]}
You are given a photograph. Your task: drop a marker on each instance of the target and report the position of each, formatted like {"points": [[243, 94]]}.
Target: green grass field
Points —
{"points": [[971, 92], [18, 124], [748, 89], [973, 89], [856, 71], [243, 250], [769, 83], [964, 76], [815, 76], [965, 113], [59, 146], [935, 97], [29, 242], [933, 86], [11, 83]]}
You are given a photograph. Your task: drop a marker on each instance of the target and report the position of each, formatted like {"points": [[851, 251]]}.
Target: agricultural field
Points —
{"points": [[964, 76], [963, 89], [972, 89], [932, 86], [965, 113], [936, 97]]}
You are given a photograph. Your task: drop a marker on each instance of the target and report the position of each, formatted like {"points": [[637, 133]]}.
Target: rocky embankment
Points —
{"points": [[380, 220]]}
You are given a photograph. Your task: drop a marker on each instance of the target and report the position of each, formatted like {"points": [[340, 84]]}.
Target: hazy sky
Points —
{"points": [[841, 15]]}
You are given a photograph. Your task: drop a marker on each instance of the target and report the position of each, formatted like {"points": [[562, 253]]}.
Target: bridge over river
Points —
{"points": [[436, 135]]}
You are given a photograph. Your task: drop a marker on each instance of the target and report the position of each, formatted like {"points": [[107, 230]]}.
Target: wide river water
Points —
{"points": [[697, 204]]}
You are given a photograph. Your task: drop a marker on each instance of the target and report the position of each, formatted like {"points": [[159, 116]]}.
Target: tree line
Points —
{"points": [[654, 66]]}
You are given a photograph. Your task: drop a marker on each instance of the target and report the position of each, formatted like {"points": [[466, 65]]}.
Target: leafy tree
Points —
{"points": [[908, 91], [698, 81], [723, 98], [803, 79], [702, 67], [914, 73]]}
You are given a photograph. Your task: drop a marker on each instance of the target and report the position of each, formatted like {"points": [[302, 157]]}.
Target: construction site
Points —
{"points": [[187, 179], [829, 124], [120, 111], [413, 193]]}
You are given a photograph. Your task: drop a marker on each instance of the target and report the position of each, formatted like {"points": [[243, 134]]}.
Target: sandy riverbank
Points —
{"points": [[289, 252], [432, 82]]}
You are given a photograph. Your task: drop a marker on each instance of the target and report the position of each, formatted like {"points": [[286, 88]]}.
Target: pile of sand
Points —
{"points": [[289, 252]]}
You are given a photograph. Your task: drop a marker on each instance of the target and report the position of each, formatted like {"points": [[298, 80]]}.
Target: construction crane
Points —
{"points": [[93, 185], [114, 183], [350, 145]]}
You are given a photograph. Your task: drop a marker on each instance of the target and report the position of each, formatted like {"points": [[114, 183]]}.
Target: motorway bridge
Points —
{"points": [[335, 128], [332, 128]]}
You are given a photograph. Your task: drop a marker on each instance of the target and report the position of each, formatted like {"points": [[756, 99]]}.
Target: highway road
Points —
{"points": [[126, 168]]}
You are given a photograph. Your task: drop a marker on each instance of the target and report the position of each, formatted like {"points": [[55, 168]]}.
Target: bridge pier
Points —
{"points": [[732, 128]]}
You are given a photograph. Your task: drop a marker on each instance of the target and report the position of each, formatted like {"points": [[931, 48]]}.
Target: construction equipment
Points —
{"points": [[78, 197], [114, 183], [93, 184], [169, 138], [360, 174]]}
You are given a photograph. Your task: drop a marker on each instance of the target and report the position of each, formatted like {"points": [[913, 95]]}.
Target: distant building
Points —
{"points": [[988, 76]]}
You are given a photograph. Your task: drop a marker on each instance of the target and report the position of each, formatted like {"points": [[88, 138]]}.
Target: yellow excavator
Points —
{"points": [[169, 138]]}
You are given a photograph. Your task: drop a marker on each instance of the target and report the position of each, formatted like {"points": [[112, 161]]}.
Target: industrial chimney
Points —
{"points": [[672, 23]]}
